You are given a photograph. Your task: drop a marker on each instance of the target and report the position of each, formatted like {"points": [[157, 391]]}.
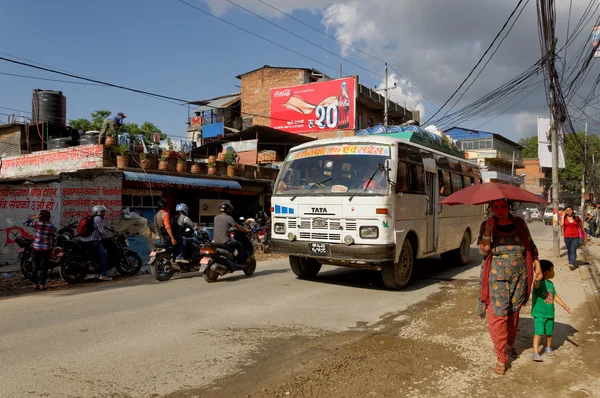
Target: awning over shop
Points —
{"points": [[161, 179]]}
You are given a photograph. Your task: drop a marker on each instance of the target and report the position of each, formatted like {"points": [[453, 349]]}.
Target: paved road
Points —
{"points": [[142, 337]]}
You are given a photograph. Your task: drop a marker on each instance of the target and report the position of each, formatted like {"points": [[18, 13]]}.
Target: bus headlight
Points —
{"points": [[348, 240], [291, 237], [279, 228], [369, 232]]}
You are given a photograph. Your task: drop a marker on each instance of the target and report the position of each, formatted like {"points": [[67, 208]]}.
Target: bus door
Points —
{"points": [[432, 213]]}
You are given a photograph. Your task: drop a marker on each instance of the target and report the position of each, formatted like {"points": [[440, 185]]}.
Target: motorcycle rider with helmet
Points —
{"points": [[223, 222], [93, 241], [179, 224]]}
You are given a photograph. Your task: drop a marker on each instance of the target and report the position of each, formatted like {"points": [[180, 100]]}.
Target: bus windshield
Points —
{"points": [[334, 170]]}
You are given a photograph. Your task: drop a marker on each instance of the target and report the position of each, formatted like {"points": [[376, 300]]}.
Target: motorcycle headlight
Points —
{"points": [[369, 232], [279, 228]]}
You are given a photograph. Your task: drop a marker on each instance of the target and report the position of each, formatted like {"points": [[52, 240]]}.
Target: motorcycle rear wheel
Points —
{"points": [[74, 270], [160, 269]]}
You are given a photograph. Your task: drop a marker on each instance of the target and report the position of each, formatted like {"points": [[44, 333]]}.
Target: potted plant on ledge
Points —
{"points": [[181, 165], [144, 161], [230, 159], [163, 164], [109, 141], [122, 158], [212, 166]]}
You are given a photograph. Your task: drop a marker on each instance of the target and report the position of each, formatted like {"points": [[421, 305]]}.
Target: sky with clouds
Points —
{"points": [[167, 47]]}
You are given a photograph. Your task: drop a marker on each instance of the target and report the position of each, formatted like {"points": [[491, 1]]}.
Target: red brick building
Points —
{"points": [[535, 179], [256, 88]]}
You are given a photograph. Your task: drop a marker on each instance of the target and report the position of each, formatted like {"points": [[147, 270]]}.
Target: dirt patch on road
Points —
{"points": [[438, 348]]}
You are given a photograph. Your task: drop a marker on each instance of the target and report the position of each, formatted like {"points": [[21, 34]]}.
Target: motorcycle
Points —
{"points": [[80, 262], [259, 237], [162, 264], [63, 236], [218, 260]]}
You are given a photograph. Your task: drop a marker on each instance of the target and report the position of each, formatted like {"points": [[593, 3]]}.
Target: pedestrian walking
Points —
{"points": [[510, 265], [544, 296], [570, 226], [43, 246], [592, 217], [111, 122]]}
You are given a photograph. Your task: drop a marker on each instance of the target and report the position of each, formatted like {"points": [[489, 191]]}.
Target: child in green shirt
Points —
{"points": [[543, 298]]}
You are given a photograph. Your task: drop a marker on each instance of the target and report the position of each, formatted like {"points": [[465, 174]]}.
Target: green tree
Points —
{"points": [[98, 118], [530, 147], [570, 176], [81, 124], [146, 129]]}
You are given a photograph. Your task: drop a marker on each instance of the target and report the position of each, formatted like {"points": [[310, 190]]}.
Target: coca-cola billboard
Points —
{"points": [[314, 107]]}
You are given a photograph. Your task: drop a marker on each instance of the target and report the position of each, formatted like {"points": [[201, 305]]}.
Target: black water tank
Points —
{"points": [[49, 106]]}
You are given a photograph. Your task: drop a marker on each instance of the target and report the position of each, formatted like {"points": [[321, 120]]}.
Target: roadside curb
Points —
{"points": [[591, 273]]}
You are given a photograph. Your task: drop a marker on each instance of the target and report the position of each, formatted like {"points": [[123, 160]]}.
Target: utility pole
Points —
{"points": [[594, 176], [547, 28], [385, 107], [583, 169], [512, 169]]}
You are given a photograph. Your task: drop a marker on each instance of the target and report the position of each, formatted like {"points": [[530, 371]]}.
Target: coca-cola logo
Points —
{"points": [[282, 93]]}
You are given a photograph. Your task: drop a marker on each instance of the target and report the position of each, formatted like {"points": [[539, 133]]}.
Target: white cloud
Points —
{"points": [[403, 94], [525, 124]]}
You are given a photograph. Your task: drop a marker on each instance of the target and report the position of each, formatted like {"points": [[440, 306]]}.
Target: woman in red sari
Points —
{"points": [[510, 258]]}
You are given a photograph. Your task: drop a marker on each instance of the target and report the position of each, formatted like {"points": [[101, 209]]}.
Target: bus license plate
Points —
{"points": [[320, 249]]}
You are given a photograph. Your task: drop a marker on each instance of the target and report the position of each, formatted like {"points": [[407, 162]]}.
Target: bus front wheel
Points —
{"points": [[304, 267], [397, 275]]}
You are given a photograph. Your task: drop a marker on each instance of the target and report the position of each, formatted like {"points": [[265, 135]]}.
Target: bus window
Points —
{"points": [[447, 187], [467, 181], [418, 179], [456, 182], [403, 179]]}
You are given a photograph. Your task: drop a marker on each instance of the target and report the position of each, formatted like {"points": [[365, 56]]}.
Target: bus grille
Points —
{"points": [[320, 236]]}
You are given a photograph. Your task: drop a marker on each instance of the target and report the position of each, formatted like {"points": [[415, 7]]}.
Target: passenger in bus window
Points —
{"points": [[441, 182], [378, 182]]}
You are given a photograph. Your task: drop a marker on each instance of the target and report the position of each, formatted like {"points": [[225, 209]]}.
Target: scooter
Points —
{"points": [[162, 264], [218, 260]]}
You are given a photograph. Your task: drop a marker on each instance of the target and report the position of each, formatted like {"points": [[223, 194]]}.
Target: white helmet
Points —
{"points": [[98, 209]]}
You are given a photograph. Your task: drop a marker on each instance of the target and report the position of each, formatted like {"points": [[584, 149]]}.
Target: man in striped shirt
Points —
{"points": [[44, 242], [93, 241]]}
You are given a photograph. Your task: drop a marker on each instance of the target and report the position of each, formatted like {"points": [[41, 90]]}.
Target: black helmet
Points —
{"points": [[226, 208]]}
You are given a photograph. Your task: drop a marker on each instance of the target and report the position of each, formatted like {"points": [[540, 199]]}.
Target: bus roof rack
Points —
{"points": [[435, 140]]}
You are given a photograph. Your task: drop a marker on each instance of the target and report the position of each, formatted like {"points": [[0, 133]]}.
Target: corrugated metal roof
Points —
{"points": [[220, 102], [181, 181]]}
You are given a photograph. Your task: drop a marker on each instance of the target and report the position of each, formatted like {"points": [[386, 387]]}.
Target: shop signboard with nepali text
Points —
{"points": [[52, 162], [315, 107]]}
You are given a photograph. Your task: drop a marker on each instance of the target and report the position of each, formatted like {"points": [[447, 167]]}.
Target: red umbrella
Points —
{"points": [[484, 193]]}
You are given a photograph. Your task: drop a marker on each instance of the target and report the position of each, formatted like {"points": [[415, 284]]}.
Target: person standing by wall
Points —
{"points": [[44, 243]]}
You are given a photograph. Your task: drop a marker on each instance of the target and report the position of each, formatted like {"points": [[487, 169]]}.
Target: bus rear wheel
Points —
{"points": [[304, 267], [459, 256], [397, 275]]}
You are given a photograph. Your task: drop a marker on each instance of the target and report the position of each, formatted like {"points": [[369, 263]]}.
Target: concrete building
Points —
{"points": [[494, 153], [256, 101]]}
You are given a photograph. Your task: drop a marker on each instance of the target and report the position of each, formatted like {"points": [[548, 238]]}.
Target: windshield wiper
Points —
{"points": [[379, 168], [314, 184]]}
